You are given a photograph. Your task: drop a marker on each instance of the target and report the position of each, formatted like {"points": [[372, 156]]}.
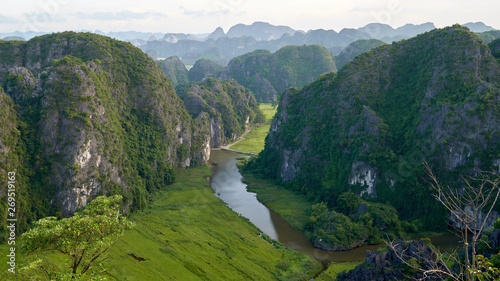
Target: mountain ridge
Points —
{"points": [[87, 106], [368, 128]]}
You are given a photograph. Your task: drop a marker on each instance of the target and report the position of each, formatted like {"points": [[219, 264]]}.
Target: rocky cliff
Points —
{"points": [[99, 118], [368, 128], [387, 264], [227, 108]]}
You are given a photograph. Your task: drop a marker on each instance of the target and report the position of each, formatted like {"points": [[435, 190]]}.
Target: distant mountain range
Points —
{"points": [[221, 47]]}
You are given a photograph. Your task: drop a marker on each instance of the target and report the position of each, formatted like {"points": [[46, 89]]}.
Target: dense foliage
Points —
{"points": [[175, 70], [268, 74], [354, 49], [228, 107], [368, 129], [82, 239], [92, 116], [204, 69]]}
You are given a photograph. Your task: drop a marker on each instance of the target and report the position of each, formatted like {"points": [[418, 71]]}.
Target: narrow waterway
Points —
{"points": [[228, 186]]}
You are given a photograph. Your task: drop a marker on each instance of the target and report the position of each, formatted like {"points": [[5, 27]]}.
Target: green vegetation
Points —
{"points": [[379, 118], [288, 204], [356, 48], [268, 75], [330, 274], [489, 36], [203, 69], [103, 118], [227, 108], [372, 224], [187, 233], [175, 70], [255, 139], [82, 239]]}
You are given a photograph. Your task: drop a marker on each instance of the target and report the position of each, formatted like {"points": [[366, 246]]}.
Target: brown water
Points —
{"points": [[228, 186]]}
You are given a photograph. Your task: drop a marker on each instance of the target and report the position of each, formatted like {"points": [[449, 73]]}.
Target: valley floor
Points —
{"points": [[189, 234]]}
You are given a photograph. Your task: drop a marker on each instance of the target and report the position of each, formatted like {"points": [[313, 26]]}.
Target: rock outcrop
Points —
{"points": [[388, 264], [226, 108], [99, 117], [367, 129]]}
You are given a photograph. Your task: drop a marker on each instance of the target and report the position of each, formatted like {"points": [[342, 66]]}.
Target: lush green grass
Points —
{"points": [[254, 141], [268, 110], [189, 234], [330, 274]]}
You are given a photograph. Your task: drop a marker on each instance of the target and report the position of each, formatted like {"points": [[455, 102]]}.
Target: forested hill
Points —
{"points": [[354, 49], [225, 107], [267, 74], [369, 127], [85, 115], [175, 70]]}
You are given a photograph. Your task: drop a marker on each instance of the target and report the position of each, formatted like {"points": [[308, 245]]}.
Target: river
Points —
{"points": [[228, 186]]}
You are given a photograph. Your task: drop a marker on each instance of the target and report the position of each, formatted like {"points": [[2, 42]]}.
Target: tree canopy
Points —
{"points": [[83, 238]]}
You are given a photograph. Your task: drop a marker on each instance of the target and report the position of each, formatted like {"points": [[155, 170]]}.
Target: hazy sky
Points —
{"points": [[203, 16]]}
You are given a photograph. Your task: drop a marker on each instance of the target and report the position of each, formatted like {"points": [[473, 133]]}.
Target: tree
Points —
{"points": [[470, 207], [348, 203], [83, 238]]}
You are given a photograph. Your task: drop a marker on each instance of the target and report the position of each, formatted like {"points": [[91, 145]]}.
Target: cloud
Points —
{"points": [[120, 16], [202, 13], [7, 19]]}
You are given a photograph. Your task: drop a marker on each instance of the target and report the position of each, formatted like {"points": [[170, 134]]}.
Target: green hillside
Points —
{"points": [[226, 108], [368, 128], [92, 115], [175, 70], [267, 74], [354, 49]]}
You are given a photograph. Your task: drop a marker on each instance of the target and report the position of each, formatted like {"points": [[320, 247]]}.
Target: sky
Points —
{"points": [[204, 16]]}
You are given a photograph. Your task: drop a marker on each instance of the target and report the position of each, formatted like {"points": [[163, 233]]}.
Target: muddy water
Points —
{"points": [[228, 186]]}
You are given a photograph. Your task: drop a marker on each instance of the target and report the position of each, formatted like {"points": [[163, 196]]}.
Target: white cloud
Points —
{"points": [[119, 16], [7, 19], [196, 16]]}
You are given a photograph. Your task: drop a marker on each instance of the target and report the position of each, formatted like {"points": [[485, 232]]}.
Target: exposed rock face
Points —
{"points": [[386, 265], [455, 222], [368, 129], [226, 108], [110, 120]]}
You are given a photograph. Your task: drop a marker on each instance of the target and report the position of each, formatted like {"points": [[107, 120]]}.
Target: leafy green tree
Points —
{"points": [[348, 203], [83, 238]]}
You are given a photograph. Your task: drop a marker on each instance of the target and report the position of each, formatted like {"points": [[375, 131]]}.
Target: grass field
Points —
{"points": [[189, 234], [330, 274], [254, 141]]}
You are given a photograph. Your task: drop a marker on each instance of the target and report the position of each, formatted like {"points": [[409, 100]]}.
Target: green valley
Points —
{"points": [[187, 233], [280, 155], [254, 140]]}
